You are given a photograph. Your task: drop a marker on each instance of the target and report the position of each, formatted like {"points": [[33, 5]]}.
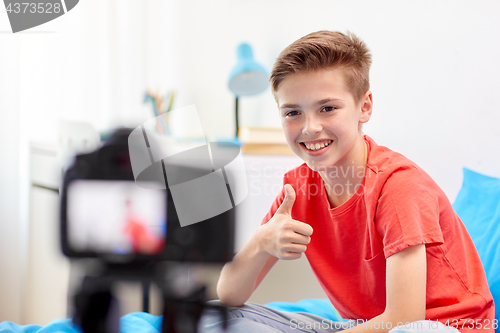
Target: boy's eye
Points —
{"points": [[328, 108], [291, 113]]}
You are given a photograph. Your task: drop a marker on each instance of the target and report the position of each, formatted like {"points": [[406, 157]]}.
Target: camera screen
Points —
{"points": [[116, 217]]}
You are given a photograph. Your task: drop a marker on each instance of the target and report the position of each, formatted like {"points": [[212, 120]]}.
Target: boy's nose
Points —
{"points": [[312, 126]]}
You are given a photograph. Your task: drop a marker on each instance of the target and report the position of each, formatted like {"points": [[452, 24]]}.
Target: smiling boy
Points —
{"points": [[381, 236]]}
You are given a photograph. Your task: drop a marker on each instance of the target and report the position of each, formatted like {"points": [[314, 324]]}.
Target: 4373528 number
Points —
{"points": [[29, 7], [473, 323]]}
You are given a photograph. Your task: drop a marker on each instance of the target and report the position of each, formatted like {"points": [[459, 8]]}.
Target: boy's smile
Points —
{"points": [[322, 120]]}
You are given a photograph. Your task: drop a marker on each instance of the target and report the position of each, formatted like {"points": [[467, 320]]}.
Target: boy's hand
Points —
{"points": [[284, 237]]}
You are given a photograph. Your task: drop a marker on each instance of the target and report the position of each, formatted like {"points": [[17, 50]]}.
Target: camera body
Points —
{"points": [[106, 215]]}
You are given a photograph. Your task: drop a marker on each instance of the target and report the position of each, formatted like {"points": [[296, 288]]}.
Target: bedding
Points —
{"points": [[130, 323], [146, 323]]}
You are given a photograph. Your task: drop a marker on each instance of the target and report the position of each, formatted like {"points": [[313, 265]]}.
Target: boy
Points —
{"points": [[381, 236]]}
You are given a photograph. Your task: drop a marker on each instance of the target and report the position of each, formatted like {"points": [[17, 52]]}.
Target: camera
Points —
{"points": [[107, 214], [128, 222]]}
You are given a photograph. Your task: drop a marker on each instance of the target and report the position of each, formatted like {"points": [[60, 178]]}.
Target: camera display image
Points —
{"points": [[116, 217]]}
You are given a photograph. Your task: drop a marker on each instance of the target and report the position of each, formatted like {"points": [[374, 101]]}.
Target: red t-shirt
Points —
{"points": [[397, 205]]}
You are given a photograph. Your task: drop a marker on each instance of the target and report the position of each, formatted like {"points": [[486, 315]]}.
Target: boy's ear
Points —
{"points": [[366, 105]]}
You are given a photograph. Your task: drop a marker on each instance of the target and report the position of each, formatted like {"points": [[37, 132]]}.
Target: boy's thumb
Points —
{"points": [[287, 204]]}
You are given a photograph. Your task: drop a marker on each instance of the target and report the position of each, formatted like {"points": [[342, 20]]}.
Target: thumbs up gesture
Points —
{"points": [[284, 237]]}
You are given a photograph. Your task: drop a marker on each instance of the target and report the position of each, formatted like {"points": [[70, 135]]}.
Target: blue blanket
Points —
{"points": [[130, 323], [147, 323]]}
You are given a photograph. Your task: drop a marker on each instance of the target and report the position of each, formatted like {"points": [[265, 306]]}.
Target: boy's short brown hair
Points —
{"points": [[326, 49]]}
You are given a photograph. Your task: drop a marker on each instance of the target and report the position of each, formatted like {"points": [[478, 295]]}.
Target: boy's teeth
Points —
{"points": [[316, 146]]}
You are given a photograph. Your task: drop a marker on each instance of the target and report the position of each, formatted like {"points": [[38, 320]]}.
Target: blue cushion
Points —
{"points": [[129, 323], [478, 206], [319, 307]]}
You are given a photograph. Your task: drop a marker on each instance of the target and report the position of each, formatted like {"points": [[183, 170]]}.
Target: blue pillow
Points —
{"points": [[478, 206]]}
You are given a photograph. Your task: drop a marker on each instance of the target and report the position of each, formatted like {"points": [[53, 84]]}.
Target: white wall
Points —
{"points": [[87, 65], [10, 183], [434, 79], [434, 75]]}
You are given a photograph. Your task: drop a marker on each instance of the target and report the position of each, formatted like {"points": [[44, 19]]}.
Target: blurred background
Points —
{"points": [[434, 78]]}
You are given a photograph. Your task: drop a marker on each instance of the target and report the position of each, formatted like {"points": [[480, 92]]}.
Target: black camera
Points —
{"points": [[107, 214], [125, 218]]}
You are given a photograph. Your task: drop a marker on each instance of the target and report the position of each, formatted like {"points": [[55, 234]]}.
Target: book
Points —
{"points": [[262, 135], [266, 149], [263, 140]]}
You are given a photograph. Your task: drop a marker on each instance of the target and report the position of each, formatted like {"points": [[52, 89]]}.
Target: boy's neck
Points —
{"points": [[342, 180]]}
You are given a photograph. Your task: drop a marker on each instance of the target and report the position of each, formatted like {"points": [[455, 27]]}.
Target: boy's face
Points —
{"points": [[321, 119]]}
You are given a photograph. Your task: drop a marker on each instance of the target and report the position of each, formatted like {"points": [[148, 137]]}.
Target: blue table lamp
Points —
{"points": [[246, 78]]}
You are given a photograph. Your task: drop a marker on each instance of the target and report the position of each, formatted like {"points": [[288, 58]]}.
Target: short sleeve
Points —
{"points": [[408, 211]]}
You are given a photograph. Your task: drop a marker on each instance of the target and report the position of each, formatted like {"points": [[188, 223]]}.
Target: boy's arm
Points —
{"points": [[406, 282], [280, 238], [406, 278], [243, 274]]}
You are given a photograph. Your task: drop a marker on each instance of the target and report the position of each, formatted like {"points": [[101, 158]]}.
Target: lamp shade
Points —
{"points": [[248, 77]]}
